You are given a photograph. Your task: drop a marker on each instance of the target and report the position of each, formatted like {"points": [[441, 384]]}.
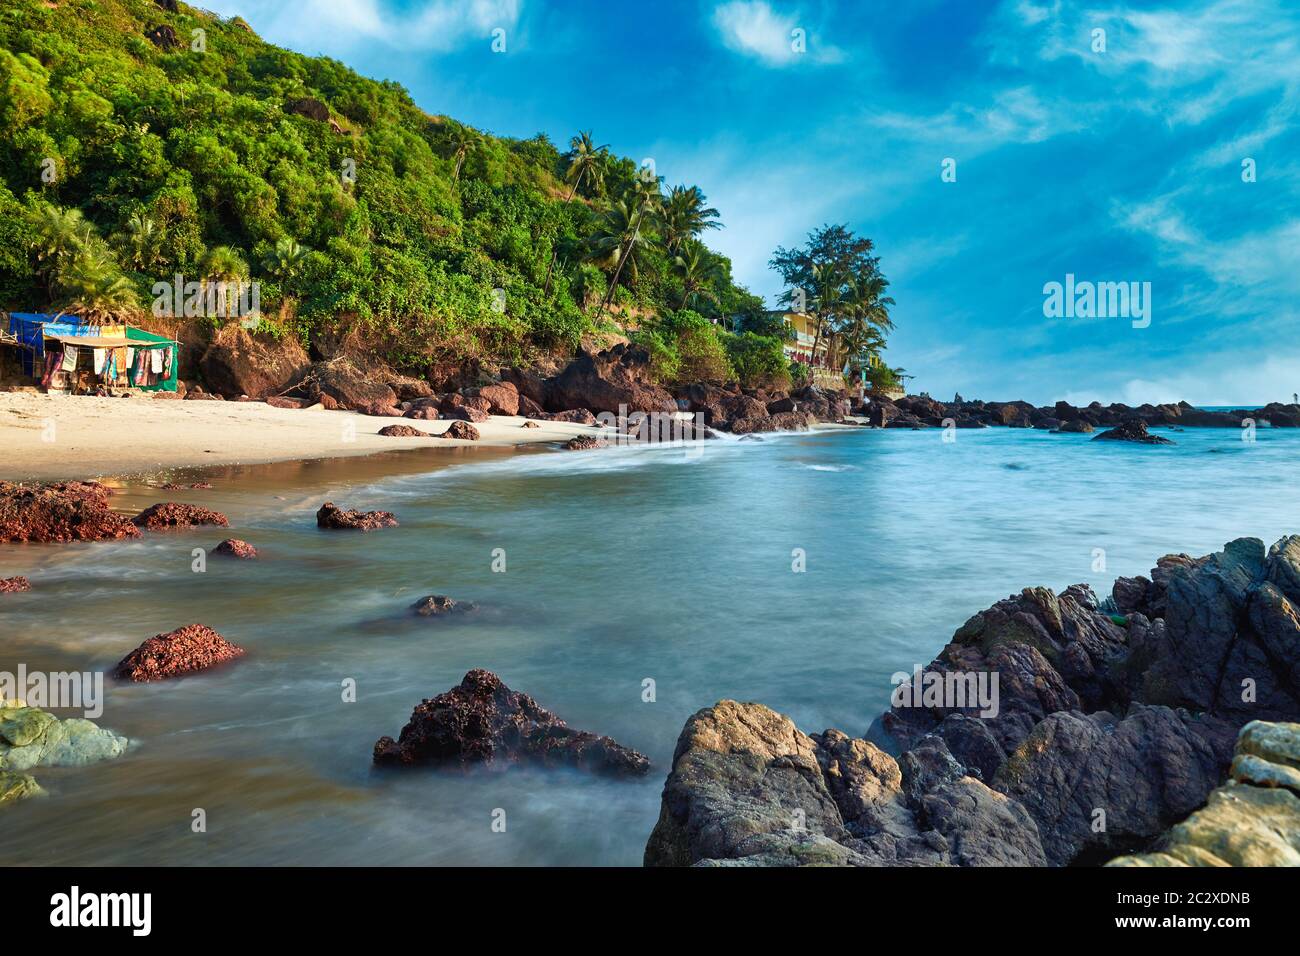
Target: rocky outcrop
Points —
{"points": [[747, 787], [235, 548], [166, 515], [439, 605], [1253, 819], [503, 399], [608, 380], [63, 511], [332, 517], [352, 385], [14, 584], [34, 738], [238, 363], [482, 721], [1134, 430], [1108, 723], [195, 647]]}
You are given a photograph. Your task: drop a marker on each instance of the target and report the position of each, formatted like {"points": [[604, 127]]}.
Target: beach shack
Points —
{"points": [[64, 353]]}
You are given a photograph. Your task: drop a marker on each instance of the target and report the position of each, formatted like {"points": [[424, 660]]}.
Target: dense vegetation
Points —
{"points": [[140, 143]]}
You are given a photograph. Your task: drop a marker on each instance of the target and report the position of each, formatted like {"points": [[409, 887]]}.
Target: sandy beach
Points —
{"points": [[56, 436]]}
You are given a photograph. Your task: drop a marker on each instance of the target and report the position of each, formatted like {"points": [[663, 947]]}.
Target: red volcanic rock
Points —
{"points": [[463, 430], [12, 585], [333, 517], [177, 486], [194, 647], [439, 605], [174, 514], [426, 413], [618, 377], [585, 443], [235, 548], [466, 413], [575, 416], [64, 511], [379, 410], [482, 721], [281, 401], [402, 431], [502, 399]]}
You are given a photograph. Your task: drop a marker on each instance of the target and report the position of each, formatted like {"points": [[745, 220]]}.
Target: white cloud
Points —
{"points": [[753, 28], [438, 25]]}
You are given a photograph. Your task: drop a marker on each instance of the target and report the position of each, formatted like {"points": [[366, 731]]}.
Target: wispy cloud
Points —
{"points": [[753, 28]]}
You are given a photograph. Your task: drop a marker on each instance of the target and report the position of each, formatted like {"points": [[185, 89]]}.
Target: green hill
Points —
{"points": [[135, 148]]}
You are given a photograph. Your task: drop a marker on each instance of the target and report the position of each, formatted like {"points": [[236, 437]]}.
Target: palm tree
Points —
{"points": [[95, 288], [699, 271], [586, 161], [222, 265], [463, 141], [285, 259], [139, 244], [686, 216], [629, 215], [59, 236]]}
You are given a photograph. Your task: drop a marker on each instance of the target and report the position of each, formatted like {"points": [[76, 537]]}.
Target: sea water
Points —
{"points": [[639, 585]]}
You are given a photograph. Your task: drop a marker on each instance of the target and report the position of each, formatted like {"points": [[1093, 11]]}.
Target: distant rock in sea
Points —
{"points": [[167, 515], [1133, 430], [331, 516], [186, 650]]}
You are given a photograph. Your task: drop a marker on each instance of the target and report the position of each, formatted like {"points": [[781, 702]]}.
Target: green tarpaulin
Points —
{"points": [[149, 340]]}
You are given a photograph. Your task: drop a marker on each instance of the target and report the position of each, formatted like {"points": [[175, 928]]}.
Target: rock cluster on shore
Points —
{"points": [[482, 721], [1113, 723]]}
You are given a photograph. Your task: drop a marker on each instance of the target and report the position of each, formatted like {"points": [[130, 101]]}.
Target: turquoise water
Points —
{"points": [[621, 565]]}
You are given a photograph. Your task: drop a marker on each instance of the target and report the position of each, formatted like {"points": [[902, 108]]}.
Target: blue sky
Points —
{"points": [[1122, 165]]}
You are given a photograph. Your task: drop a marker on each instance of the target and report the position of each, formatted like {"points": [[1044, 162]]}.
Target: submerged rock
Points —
{"points": [[62, 511], [17, 786], [482, 721], [34, 738], [1134, 430], [14, 584], [185, 650], [333, 517], [439, 605], [1253, 819], [173, 514], [235, 548]]}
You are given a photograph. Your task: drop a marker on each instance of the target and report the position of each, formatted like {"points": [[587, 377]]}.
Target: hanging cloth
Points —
{"points": [[100, 355], [156, 361], [69, 362]]}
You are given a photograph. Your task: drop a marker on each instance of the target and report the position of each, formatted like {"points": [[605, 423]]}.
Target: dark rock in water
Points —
{"points": [[1104, 729], [482, 721], [14, 584], [439, 605], [62, 511], [185, 650], [748, 788], [333, 517], [402, 431], [174, 514], [462, 430], [235, 548], [1134, 430], [1074, 425], [585, 443]]}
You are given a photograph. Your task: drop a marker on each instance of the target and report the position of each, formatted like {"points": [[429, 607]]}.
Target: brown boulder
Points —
{"points": [[240, 363], [402, 431], [333, 517], [15, 584], [603, 382], [353, 386], [466, 413], [462, 430], [235, 548], [585, 443], [574, 416], [175, 514], [482, 721], [428, 413], [502, 399], [194, 647], [63, 511]]}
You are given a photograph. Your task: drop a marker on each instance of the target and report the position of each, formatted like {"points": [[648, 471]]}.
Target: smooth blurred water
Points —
{"points": [[622, 565]]}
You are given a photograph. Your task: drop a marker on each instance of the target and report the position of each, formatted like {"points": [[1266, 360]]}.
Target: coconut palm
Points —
{"points": [[628, 215], [58, 236], [586, 161], [285, 260], [95, 288], [463, 142], [699, 271], [221, 266], [139, 244], [685, 216]]}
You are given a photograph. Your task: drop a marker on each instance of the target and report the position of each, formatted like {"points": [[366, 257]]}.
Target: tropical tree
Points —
{"points": [[585, 161], [58, 236], [285, 260], [463, 142], [698, 270], [220, 267], [686, 215], [95, 288], [628, 216], [140, 243]]}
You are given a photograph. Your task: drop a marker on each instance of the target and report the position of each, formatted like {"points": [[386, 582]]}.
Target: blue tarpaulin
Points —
{"points": [[31, 328]]}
